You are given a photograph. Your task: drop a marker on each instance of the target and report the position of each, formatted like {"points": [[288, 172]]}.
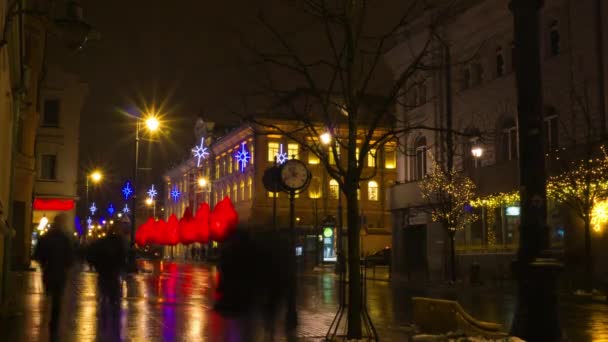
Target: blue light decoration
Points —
{"points": [[127, 190], [242, 157], [152, 192], [125, 210], [78, 226], [200, 152], [89, 222], [175, 193], [281, 156], [93, 209], [111, 209]]}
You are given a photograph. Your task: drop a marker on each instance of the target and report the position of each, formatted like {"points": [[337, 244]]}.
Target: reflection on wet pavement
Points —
{"points": [[171, 301]]}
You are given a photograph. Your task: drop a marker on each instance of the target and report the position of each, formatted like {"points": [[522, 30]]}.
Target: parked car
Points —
{"points": [[379, 258]]}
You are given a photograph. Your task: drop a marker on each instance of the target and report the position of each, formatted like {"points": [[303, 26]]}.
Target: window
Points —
{"points": [[50, 116], [271, 194], [293, 151], [372, 191], [334, 189], [235, 192], [500, 62], [217, 169], [229, 163], [357, 151], [242, 186], [312, 158], [551, 130], [509, 141], [420, 159], [251, 149], [390, 157], [48, 169], [358, 194], [371, 157], [215, 196], [250, 188], [273, 150], [332, 159], [554, 38]]}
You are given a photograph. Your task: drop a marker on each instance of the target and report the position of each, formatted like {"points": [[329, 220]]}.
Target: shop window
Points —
{"points": [[554, 38], [273, 150], [334, 189], [48, 169], [50, 116], [372, 190], [420, 169]]}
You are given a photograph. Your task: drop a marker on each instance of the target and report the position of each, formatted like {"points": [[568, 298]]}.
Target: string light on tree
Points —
{"points": [[125, 210], [127, 190], [200, 152], [242, 157], [152, 193], [175, 193], [281, 156], [93, 209]]}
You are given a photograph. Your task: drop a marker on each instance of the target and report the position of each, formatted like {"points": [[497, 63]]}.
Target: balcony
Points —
{"points": [[404, 195]]}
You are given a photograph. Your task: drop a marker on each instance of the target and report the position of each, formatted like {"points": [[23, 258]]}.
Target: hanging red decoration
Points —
{"points": [[223, 220], [186, 228], [57, 204], [142, 236], [161, 232], [172, 230], [201, 220]]}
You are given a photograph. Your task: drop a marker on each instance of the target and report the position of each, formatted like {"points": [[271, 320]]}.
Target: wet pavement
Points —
{"points": [[173, 301]]}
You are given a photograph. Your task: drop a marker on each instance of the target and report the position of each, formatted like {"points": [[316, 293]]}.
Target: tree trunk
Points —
{"points": [[452, 234], [354, 270], [588, 280]]}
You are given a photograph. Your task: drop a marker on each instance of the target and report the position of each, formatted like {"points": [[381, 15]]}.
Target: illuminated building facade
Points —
{"points": [[226, 174], [477, 44]]}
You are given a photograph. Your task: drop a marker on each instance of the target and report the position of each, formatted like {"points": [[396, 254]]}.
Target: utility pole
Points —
{"points": [[536, 312]]}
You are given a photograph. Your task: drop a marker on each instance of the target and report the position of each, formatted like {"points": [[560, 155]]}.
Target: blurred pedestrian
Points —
{"points": [[55, 254]]}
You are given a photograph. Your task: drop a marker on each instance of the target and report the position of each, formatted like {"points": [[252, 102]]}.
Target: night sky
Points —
{"points": [[182, 56]]}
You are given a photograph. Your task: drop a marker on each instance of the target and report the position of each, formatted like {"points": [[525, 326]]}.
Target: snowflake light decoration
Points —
{"points": [[89, 221], [242, 157], [125, 210], [281, 156], [93, 208], [127, 190], [111, 209], [175, 193], [200, 151], [152, 192]]}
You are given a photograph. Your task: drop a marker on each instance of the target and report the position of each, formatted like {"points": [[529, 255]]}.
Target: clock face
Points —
{"points": [[294, 174]]}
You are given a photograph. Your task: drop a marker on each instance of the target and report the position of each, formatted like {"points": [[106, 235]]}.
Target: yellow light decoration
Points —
{"points": [[599, 215]]}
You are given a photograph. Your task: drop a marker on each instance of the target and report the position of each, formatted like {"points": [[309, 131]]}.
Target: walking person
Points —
{"points": [[55, 254]]}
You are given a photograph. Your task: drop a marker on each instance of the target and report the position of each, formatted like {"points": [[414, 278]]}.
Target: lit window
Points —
{"points": [[372, 191], [371, 158], [332, 159], [358, 194], [235, 192], [228, 192], [242, 186], [313, 159], [334, 189], [251, 148], [271, 194], [250, 188], [273, 149], [229, 162], [215, 198], [357, 151], [217, 169], [292, 151], [390, 157]]}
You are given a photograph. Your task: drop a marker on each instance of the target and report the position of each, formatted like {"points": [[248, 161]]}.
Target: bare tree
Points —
{"points": [[340, 92]]}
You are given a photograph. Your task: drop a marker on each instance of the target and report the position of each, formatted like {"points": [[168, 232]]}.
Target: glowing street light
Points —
{"points": [[477, 151], [325, 138], [152, 123], [202, 182], [149, 201], [96, 176]]}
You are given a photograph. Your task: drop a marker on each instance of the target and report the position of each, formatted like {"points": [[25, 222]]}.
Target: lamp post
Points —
{"points": [[96, 177], [326, 139], [152, 124], [151, 203]]}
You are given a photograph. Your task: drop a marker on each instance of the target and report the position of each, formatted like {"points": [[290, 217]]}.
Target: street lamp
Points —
{"points": [[477, 152], [325, 138], [202, 182], [151, 203], [95, 176], [152, 124]]}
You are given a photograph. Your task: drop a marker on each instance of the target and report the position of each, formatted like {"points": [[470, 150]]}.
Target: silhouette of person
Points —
{"points": [[55, 254]]}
